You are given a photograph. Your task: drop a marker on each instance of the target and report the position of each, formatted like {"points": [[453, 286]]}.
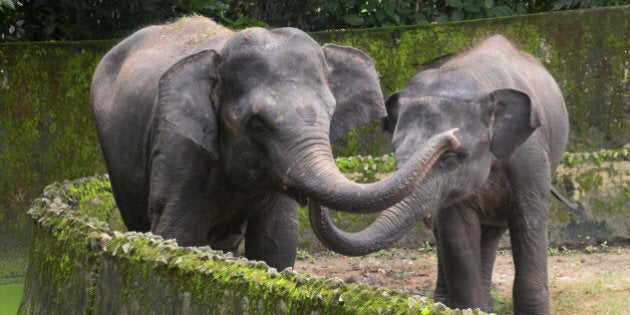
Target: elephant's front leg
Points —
{"points": [[528, 235], [271, 233], [179, 201], [459, 257]]}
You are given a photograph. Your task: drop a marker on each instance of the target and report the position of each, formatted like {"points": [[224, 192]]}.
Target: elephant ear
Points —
{"points": [[515, 120], [356, 88], [388, 123], [184, 105]]}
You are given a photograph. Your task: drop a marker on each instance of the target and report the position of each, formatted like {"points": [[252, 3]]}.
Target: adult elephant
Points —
{"points": [[513, 132], [206, 132]]}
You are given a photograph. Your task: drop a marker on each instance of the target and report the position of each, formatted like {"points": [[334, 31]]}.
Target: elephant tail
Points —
{"points": [[575, 207]]}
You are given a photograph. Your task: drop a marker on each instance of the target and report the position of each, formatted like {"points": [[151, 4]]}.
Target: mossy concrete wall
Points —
{"points": [[600, 182], [46, 127], [80, 265]]}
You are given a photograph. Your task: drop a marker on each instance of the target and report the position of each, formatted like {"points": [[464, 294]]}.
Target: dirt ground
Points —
{"points": [[580, 282]]}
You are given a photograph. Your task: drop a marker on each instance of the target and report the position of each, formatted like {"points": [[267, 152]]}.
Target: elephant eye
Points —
{"points": [[450, 159], [257, 126]]}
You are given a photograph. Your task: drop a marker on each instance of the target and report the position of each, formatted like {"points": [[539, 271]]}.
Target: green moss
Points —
{"points": [[46, 127], [142, 272]]}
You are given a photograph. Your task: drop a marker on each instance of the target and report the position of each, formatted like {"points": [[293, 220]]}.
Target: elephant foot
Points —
{"points": [[440, 297]]}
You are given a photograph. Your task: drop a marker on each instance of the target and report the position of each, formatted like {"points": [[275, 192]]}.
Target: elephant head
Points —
{"points": [[492, 125], [267, 106]]}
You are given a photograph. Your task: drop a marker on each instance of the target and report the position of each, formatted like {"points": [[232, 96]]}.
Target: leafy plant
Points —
{"points": [[597, 157], [426, 247], [303, 255], [36, 20], [29, 20], [567, 251], [552, 251]]}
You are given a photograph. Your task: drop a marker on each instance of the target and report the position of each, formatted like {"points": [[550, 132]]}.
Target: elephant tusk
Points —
{"points": [[428, 221]]}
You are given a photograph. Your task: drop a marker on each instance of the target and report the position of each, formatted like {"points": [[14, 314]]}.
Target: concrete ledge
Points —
{"points": [[79, 264]]}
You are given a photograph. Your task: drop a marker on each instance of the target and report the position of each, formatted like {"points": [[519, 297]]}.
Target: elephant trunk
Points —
{"points": [[388, 228], [317, 177]]}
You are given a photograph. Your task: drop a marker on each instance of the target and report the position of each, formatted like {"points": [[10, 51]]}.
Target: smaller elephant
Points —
{"points": [[513, 131]]}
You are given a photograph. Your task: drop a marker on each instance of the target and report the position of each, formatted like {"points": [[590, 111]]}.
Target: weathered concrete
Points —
{"points": [[80, 265]]}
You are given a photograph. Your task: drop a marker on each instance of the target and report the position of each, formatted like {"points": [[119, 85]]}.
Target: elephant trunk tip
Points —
{"points": [[452, 138]]}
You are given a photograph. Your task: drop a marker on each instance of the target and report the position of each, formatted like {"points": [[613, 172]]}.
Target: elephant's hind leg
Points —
{"points": [[490, 237]]}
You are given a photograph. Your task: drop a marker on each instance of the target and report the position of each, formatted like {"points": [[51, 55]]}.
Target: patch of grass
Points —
{"points": [[303, 255], [10, 297], [502, 306], [606, 294], [14, 248]]}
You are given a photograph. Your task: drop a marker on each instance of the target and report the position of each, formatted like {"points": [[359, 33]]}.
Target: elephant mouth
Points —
{"points": [[299, 197]]}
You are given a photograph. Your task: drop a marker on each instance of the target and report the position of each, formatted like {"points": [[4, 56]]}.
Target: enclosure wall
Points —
{"points": [[80, 265]]}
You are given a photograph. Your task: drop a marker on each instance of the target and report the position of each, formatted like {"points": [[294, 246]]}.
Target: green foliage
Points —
{"points": [[36, 20], [367, 139], [584, 4], [426, 247], [590, 249], [351, 164], [597, 157], [303, 255], [566, 251], [552, 251]]}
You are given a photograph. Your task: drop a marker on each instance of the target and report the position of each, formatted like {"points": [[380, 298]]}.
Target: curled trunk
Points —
{"points": [[319, 178], [388, 228]]}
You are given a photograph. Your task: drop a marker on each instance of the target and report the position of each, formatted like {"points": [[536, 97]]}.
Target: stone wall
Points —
{"points": [[80, 265]]}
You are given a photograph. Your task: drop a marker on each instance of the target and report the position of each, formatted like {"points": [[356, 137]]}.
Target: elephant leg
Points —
{"points": [[178, 197], [271, 233], [441, 289], [528, 235], [459, 245], [490, 237]]}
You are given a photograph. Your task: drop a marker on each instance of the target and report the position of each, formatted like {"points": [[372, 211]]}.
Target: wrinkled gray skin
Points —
{"points": [[210, 135], [513, 131]]}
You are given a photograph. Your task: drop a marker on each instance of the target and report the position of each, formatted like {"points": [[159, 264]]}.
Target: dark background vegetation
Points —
{"points": [[59, 20]]}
